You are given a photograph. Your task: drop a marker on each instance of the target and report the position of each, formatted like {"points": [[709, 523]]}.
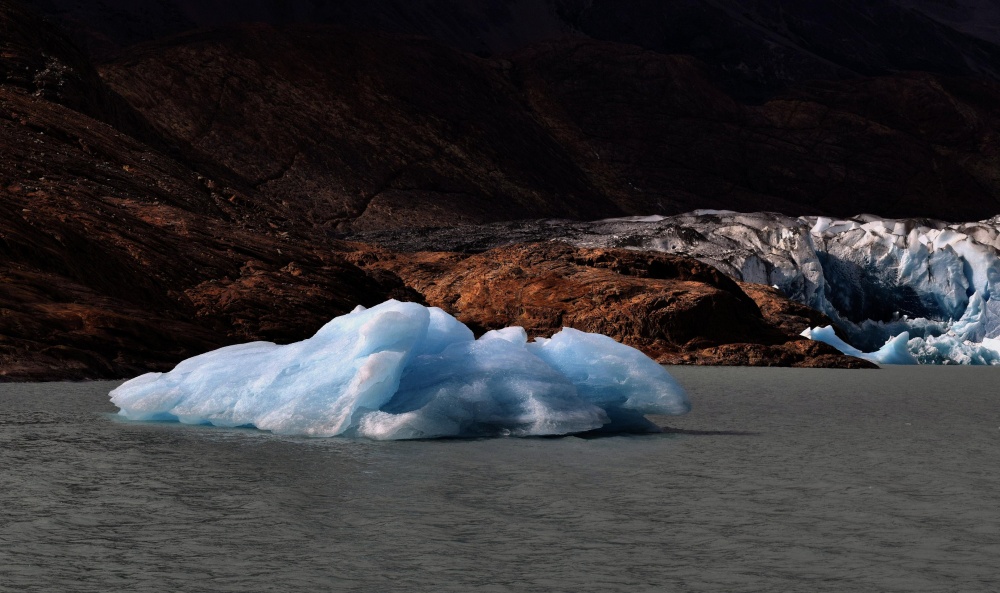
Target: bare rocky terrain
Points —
{"points": [[753, 46], [161, 199], [358, 131], [675, 309]]}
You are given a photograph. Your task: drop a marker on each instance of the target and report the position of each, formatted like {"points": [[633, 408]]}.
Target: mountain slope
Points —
{"points": [[358, 131], [370, 128], [116, 257], [754, 47], [125, 249]]}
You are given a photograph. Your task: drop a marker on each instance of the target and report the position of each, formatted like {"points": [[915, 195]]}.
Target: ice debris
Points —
{"points": [[894, 351], [405, 371], [944, 349]]}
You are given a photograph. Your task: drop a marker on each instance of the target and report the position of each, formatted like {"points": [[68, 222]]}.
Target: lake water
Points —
{"points": [[779, 480]]}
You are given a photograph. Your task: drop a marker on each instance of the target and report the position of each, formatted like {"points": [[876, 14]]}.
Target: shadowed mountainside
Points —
{"points": [[359, 130], [115, 256], [124, 249], [355, 131], [193, 192], [754, 47]]}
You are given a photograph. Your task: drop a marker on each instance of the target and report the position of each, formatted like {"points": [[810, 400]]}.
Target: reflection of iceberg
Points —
{"points": [[400, 371]]}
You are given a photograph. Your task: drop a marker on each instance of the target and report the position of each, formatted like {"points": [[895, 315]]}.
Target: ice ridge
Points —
{"points": [[405, 371]]}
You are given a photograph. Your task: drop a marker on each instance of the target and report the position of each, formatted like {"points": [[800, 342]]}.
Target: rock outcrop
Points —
{"points": [[677, 310], [781, 312]]}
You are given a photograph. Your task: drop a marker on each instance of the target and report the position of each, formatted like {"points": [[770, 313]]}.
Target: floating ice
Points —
{"points": [[894, 351], [944, 349], [405, 371], [951, 349]]}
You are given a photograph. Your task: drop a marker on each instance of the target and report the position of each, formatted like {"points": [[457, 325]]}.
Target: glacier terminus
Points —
{"points": [[899, 291]]}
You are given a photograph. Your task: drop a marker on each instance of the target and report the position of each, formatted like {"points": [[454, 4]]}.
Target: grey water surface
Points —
{"points": [[779, 480]]}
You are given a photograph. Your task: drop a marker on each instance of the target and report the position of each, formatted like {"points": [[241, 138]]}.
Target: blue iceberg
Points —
{"points": [[945, 349], [894, 351], [405, 371]]}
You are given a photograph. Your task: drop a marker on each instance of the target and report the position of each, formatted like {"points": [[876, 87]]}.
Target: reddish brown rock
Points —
{"points": [[781, 312], [54, 329], [117, 257], [677, 310]]}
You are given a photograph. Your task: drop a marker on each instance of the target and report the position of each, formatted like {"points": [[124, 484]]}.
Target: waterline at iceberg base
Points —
{"points": [[405, 371]]}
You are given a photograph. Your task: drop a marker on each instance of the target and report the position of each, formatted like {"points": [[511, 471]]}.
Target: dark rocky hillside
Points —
{"points": [[582, 109], [128, 242], [755, 46], [356, 131], [193, 190], [117, 257]]}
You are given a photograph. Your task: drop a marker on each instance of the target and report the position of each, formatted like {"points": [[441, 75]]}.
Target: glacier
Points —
{"points": [[908, 291], [932, 282], [406, 371]]}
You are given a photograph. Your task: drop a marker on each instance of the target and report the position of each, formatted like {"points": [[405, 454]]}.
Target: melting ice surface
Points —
{"points": [[405, 371]]}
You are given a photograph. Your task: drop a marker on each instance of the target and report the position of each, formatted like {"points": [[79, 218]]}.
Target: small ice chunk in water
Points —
{"points": [[945, 349], [895, 350], [404, 371]]}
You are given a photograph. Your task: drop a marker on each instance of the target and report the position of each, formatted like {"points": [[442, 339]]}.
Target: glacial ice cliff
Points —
{"points": [[404, 371], [931, 283]]}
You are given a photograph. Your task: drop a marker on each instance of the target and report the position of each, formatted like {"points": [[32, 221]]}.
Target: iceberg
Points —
{"points": [[894, 351], [951, 349], [946, 349], [405, 371]]}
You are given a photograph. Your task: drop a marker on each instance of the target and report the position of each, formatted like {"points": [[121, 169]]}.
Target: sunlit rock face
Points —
{"points": [[875, 278], [405, 371]]}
